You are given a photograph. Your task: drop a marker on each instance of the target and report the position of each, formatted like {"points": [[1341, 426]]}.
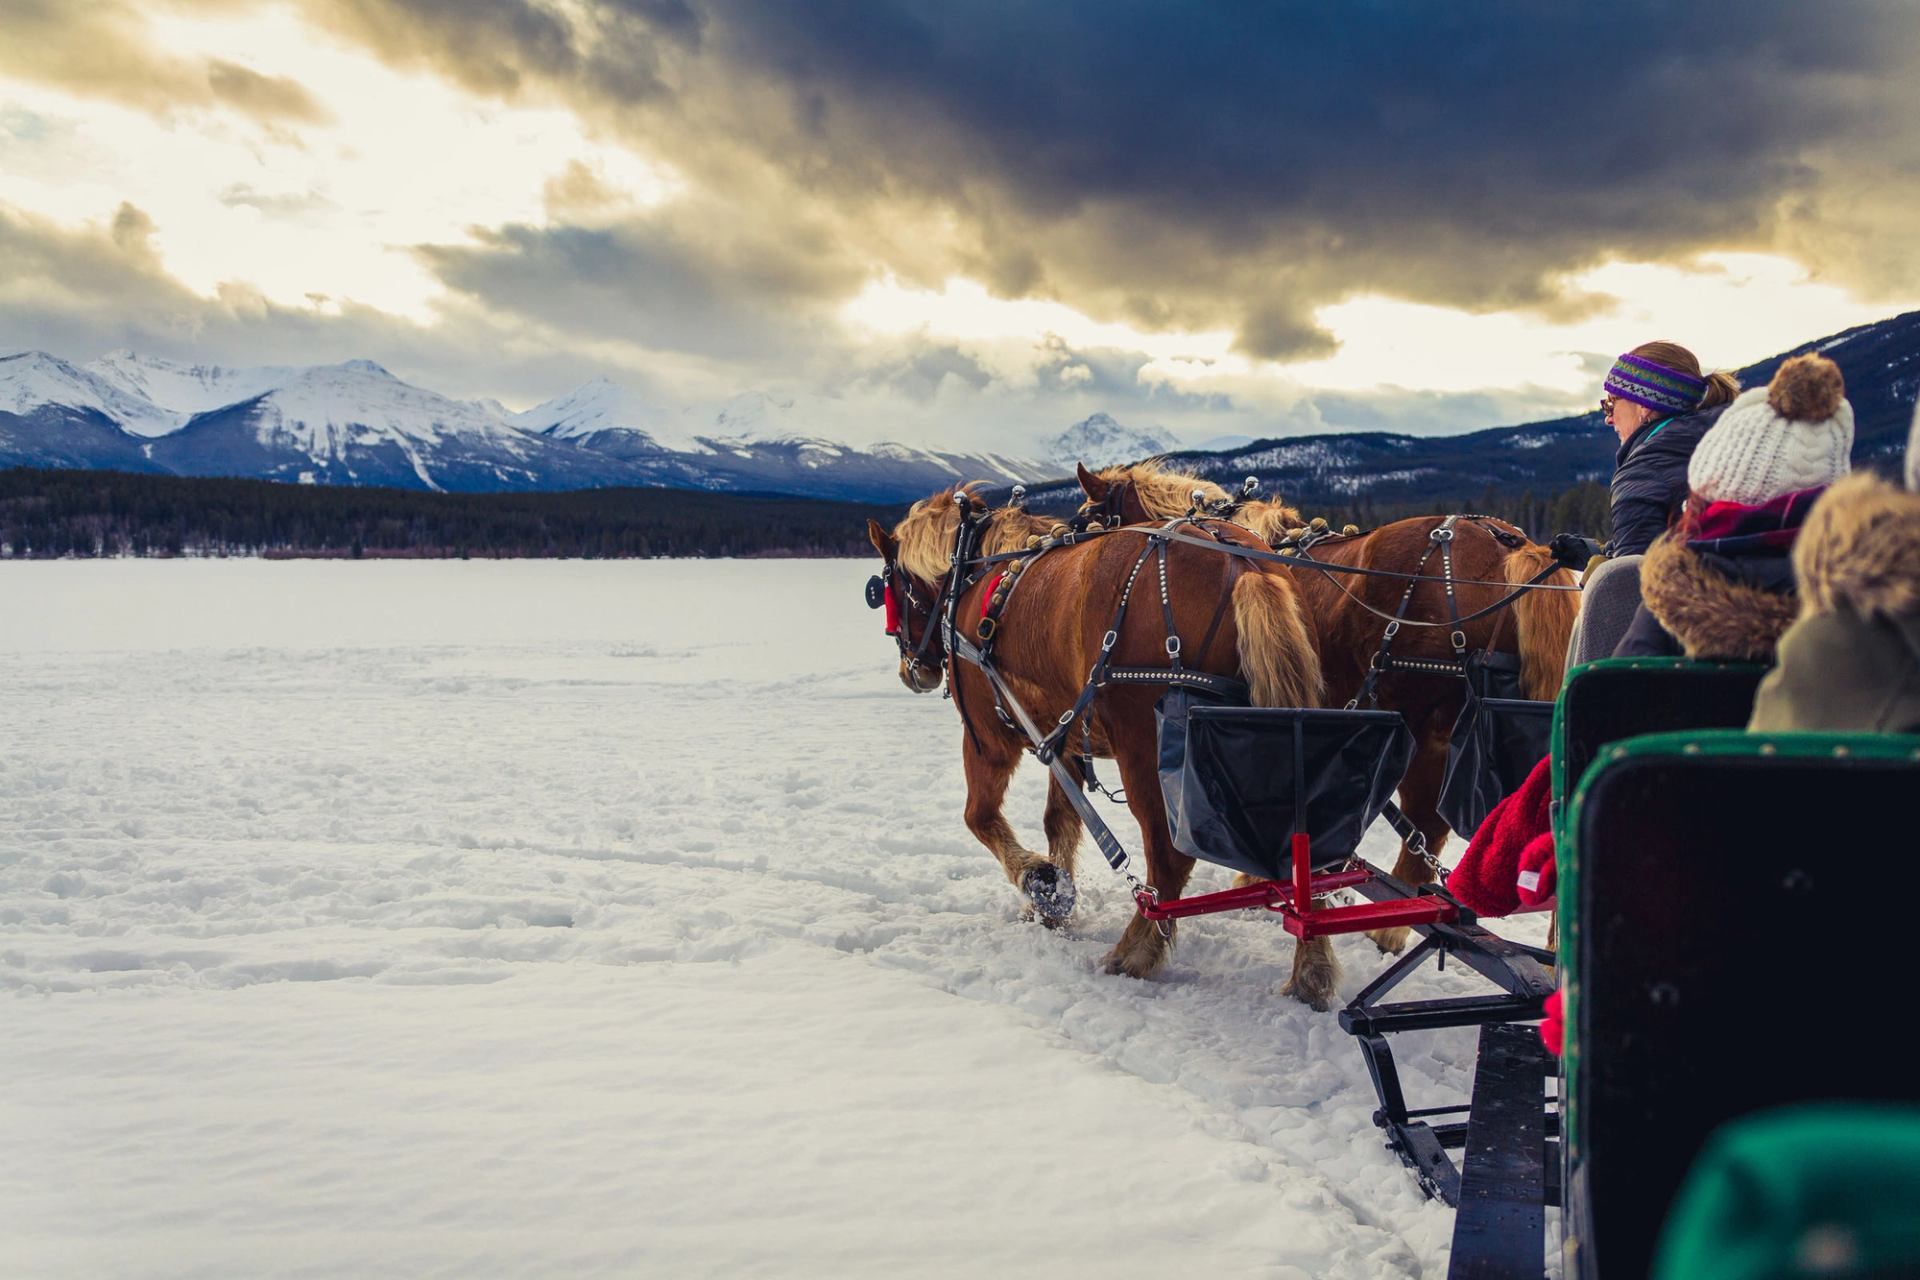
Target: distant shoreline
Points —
{"points": [[85, 514]]}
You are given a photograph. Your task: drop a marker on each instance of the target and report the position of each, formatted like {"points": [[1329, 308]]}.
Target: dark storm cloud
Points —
{"points": [[690, 280], [1240, 164], [610, 51], [1455, 153]]}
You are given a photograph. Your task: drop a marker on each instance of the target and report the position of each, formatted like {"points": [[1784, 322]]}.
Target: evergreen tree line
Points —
{"points": [[46, 514], [1584, 509], [106, 513]]}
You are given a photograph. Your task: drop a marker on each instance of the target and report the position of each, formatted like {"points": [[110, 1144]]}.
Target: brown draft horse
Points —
{"points": [[1346, 635], [1048, 638]]}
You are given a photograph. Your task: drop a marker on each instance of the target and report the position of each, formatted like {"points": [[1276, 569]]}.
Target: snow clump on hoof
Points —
{"points": [[1051, 891]]}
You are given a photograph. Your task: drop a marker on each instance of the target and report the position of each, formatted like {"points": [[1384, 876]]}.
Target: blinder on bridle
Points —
{"points": [[1107, 511], [894, 591]]}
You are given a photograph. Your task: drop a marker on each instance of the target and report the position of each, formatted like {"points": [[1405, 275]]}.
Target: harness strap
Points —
{"points": [[1384, 655], [1538, 583], [1444, 536]]}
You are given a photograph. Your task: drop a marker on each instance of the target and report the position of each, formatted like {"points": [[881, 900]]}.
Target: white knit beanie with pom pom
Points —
{"points": [[1794, 433]]}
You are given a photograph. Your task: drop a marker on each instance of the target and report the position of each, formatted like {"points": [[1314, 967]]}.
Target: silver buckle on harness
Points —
{"points": [[1173, 646]]}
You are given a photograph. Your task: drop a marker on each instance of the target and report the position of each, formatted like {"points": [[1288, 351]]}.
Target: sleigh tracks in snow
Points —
{"points": [[1508, 1131]]}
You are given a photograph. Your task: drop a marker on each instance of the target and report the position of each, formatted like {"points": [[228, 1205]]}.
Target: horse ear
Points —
{"points": [[882, 540], [1090, 484]]}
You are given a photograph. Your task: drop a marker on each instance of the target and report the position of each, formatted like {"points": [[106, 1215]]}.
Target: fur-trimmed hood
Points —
{"points": [[1860, 550], [1712, 612]]}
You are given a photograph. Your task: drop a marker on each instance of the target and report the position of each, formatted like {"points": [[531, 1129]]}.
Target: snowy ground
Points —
{"points": [[604, 919]]}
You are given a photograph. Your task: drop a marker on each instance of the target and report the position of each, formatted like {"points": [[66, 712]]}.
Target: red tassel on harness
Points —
{"points": [[986, 597], [892, 612]]}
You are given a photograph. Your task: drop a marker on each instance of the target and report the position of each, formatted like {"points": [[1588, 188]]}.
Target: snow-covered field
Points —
{"points": [[604, 919]]}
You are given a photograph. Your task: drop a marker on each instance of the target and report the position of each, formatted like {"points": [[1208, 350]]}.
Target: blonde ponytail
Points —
{"points": [[1722, 387]]}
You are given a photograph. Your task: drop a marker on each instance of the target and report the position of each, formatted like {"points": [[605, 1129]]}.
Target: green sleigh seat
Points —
{"points": [[1721, 937]]}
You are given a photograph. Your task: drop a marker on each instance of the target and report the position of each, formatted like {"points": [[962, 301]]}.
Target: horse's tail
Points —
{"points": [[1545, 621], [1277, 657]]}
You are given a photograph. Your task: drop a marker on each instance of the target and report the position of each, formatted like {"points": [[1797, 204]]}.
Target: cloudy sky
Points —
{"points": [[970, 223]]}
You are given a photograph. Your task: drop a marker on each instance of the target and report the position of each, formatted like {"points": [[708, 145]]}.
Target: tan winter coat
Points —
{"points": [[1852, 659]]}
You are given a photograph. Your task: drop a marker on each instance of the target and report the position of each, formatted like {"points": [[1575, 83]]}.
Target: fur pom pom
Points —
{"points": [[1807, 389]]}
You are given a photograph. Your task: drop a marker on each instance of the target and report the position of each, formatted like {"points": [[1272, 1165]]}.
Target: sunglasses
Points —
{"points": [[1606, 405]]}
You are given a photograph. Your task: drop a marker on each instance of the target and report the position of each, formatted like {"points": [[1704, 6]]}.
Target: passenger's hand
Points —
{"points": [[1572, 550]]}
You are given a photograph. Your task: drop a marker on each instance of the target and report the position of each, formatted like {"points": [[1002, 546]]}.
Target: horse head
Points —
{"points": [[917, 556], [1147, 491]]}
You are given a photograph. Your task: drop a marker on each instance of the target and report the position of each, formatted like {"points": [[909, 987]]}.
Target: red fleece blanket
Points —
{"points": [[1488, 877]]}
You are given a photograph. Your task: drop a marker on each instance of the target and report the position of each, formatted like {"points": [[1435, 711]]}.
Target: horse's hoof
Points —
{"points": [[1390, 941], [1318, 1000], [1134, 959], [1050, 890]]}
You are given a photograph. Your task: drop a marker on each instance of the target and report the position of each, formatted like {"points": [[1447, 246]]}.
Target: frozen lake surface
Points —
{"points": [[561, 918]]}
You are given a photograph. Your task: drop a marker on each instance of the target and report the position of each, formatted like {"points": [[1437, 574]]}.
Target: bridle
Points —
{"points": [[895, 591], [938, 615], [1109, 509]]}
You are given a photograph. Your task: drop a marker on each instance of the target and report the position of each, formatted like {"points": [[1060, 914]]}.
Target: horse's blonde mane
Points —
{"points": [[1270, 518], [1163, 492], [926, 533]]}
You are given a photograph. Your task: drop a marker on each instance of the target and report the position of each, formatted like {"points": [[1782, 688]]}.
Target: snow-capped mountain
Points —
{"points": [[1099, 441], [757, 440], [355, 423], [185, 389], [33, 379], [605, 415]]}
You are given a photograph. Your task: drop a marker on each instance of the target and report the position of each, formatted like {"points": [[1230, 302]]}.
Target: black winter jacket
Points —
{"points": [[1650, 479]]}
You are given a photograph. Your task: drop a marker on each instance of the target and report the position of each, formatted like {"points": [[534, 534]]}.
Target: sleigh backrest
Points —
{"points": [[1618, 698], [1724, 949]]}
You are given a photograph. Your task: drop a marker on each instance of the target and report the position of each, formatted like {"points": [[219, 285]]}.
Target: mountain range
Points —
{"points": [[357, 424]]}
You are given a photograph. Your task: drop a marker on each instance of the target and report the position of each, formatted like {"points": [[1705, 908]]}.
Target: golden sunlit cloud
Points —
{"points": [[330, 207], [1730, 309]]}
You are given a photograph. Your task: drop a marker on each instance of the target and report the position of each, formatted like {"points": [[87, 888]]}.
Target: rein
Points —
{"points": [[1300, 560]]}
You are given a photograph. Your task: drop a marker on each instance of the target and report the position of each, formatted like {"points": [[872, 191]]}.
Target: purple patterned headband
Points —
{"points": [[1654, 385]]}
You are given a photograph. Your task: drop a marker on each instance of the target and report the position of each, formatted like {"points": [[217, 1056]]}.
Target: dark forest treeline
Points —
{"points": [[94, 513], [1583, 509]]}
